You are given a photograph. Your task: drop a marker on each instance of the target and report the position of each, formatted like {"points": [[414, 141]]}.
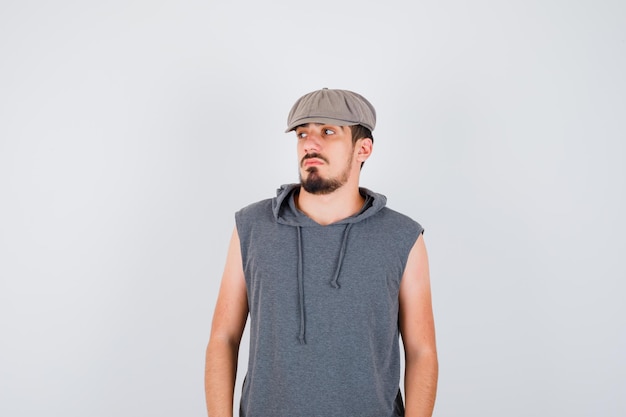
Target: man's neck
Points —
{"points": [[330, 208]]}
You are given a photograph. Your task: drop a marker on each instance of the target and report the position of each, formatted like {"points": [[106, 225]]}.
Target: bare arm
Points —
{"points": [[418, 334], [229, 320]]}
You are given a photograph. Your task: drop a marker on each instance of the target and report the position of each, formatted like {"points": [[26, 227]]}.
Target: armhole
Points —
{"points": [[242, 247], [418, 230]]}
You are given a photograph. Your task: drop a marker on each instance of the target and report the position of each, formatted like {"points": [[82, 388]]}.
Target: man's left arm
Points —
{"points": [[418, 334]]}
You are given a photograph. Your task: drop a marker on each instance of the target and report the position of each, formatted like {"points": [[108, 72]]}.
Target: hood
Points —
{"points": [[285, 212]]}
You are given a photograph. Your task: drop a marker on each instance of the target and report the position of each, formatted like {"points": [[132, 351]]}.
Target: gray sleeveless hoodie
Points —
{"points": [[323, 302]]}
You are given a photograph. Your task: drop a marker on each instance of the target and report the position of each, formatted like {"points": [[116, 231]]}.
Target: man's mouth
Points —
{"points": [[312, 160]]}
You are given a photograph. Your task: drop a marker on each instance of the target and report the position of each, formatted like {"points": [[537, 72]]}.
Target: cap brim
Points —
{"points": [[324, 120]]}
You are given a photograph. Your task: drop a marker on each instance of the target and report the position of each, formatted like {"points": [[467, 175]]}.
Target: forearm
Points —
{"points": [[420, 384], [219, 377]]}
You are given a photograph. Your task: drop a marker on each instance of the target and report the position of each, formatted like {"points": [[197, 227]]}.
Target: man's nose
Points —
{"points": [[311, 143]]}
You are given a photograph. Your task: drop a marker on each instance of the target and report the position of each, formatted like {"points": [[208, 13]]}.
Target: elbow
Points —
{"points": [[422, 355]]}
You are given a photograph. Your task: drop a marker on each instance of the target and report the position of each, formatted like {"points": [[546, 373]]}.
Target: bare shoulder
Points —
{"points": [[416, 314], [417, 270], [231, 309]]}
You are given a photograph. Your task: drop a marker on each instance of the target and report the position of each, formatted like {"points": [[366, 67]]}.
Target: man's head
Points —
{"points": [[334, 130]]}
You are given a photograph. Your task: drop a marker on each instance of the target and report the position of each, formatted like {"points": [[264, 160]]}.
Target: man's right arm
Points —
{"points": [[229, 320]]}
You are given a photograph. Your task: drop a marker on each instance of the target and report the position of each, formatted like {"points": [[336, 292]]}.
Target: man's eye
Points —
{"points": [[301, 135], [329, 132]]}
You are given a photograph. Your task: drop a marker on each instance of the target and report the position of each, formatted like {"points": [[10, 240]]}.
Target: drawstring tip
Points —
{"points": [[334, 284], [301, 340]]}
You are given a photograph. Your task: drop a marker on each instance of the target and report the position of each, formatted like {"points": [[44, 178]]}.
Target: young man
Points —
{"points": [[331, 278]]}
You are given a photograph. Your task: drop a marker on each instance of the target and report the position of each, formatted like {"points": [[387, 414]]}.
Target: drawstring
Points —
{"points": [[301, 287], [334, 282]]}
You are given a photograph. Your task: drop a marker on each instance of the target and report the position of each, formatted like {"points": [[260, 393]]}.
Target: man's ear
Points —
{"points": [[365, 147]]}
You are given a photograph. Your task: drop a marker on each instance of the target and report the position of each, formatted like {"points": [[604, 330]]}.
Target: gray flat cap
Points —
{"points": [[336, 107]]}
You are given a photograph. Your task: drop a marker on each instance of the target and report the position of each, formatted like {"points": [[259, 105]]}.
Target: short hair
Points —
{"points": [[360, 132]]}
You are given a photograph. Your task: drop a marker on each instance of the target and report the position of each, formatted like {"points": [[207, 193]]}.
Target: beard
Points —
{"points": [[315, 184]]}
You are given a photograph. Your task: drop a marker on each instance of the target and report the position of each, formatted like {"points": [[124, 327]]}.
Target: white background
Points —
{"points": [[131, 131]]}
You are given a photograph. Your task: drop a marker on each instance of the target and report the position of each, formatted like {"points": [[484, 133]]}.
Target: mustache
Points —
{"points": [[313, 155]]}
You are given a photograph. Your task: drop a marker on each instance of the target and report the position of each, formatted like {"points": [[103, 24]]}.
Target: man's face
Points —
{"points": [[325, 154]]}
